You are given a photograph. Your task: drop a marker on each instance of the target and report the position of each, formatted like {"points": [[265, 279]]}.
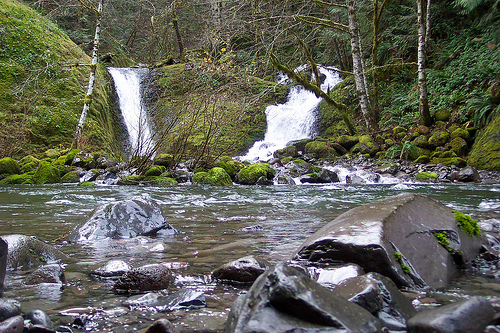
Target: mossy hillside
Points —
{"points": [[213, 111], [42, 87], [485, 153]]}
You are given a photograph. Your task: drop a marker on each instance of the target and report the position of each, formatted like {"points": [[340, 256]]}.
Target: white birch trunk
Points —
{"points": [[359, 77], [93, 68], [423, 105]]}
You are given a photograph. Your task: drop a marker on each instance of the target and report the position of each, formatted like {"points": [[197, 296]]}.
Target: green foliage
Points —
{"points": [[467, 224], [399, 258], [407, 150], [484, 107]]}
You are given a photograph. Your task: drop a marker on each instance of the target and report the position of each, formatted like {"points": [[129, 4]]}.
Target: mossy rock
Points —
{"points": [[448, 154], [397, 130], [368, 146], [457, 161], [155, 170], [485, 153], [460, 133], [347, 141], [338, 148], [423, 159], [25, 178], [459, 146], [439, 139], [130, 180], [215, 177], [249, 175], [232, 167], [46, 174], [320, 149], [71, 177], [422, 130], [427, 176], [9, 166], [51, 153], [159, 181], [29, 159], [166, 160], [71, 155], [30, 166], [442, 115], [421, 141], [288, 151], [87, 184]]}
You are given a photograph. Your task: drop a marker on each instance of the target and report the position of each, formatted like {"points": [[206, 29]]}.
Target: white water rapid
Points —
{"points": [[293, 120], [128, 88]]}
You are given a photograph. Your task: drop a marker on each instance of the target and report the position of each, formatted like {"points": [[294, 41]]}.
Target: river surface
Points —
{"points": [[216, 225]]}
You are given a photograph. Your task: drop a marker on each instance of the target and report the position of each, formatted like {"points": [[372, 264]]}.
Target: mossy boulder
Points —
{"points": [[421, 141], [87, 184], [347, 141], [439, 139], [46, 174], [215, 177], [427, 176], [457, 161], [232, 167], [166, 160], [130, 180], [422, 159], [485, 153], [459, 146], [84, 160], [442, 115], [159, 181], [460, 133], [249, 175], [397, 130], [51, 153], [9, 166], [71, 177], [288, 151], [25, 178], [320, 149], [71, 155], [366, 145], [155, 170]]}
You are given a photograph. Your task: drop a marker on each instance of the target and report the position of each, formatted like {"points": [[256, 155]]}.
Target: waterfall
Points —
{"points": [[293, 120], [128, 88]]}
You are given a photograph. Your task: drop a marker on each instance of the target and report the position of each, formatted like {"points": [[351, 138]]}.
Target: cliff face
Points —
{"points": [[43, 79]]}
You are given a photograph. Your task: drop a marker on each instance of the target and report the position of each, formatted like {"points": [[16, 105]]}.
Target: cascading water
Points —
{"points": [[128, 88], [293, 120]]}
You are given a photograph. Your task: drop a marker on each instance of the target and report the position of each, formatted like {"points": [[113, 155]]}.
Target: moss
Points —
{"points": [[71, 155], [442, 238], [232, 167], [320, 149], [25, 178], [249, 175], [46, 174], [215, 177], [9, 166], [155, 170], [287, 159], [457, 161], [423, 159], [399, 258], [71, 177], [467, 224], [87, 184], [130, 180], [460, 133], [426, 176], [159, 181], [485, 153], [442, 115], [459, 146], [166, 160], [398, 129]]}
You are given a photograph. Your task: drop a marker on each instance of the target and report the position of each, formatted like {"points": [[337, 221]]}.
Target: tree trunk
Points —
{"points": [[177, 31], [357, 60], [93, 68], [423, 105]]}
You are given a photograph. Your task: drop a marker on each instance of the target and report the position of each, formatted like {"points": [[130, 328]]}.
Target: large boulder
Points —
{"points": [[216, 177], [145, 278], [251, 174], [285, 300], [472, 315], [409, 238], [485, 153], [123, 219], [3, 263], [27, 251], [9, 166]]}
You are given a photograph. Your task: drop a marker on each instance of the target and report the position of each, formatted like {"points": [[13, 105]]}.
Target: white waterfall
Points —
{"points": [[128, 88], [293, 120]]}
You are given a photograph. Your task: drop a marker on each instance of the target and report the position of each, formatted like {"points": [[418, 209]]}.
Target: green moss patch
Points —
{"points": [[216, 176], [467, 224], [249, 175]]}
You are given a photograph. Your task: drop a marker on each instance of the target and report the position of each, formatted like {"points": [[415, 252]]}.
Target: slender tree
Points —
{"points": [[93, 69], [423, 105], [175, 23]]}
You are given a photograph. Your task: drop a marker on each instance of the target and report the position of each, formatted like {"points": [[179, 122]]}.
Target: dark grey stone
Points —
{"points": [[160, 326], [9, 308], [53, 273], [12, 325], [38, 317], [245, 270], [123, 219], [3, 263], [468, 174], [472, 315], [285, 300], [145, 278], [375, 235], [27, 251]]}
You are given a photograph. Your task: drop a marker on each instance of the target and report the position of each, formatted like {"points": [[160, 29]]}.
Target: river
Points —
{"points": [[216, 225]]}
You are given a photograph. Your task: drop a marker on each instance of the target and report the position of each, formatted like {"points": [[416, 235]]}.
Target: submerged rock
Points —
{"points": [[182, 299], [285, 300], [123, 219], [244, 270], [46, 274], [404, 237], [27, 252], [472, 315]]}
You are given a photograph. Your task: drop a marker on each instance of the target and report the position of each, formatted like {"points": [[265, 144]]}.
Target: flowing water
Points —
{"points": [[127, 83], [216, 225], [293, 120]]}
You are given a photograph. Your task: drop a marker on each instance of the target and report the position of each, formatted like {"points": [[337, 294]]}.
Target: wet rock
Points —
{"points": [[396, 237], [3, 263], [12, 325], [285, 300], [160, 326], [112, 268], [123, 219], [468, 174], [9, 308], [53, 273], [27, 252], [354, 180], [472, 315], [330, 277], [244, 270], [380, 296], [288, 151], [299, 168], [41, 329], [182, 299], [38, 317], [327, 176], [145, 278]]}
